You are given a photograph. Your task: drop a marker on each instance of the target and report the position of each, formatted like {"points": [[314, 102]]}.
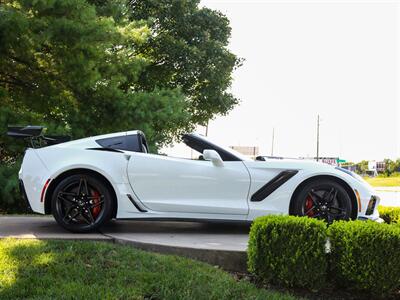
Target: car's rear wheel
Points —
{"points": [[323, 199], [81, 203]]}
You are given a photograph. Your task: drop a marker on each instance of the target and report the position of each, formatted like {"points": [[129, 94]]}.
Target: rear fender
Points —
{"points": [[41, 168]]}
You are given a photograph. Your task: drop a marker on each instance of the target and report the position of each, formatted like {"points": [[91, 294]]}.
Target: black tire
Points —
{"points": [[82, 203], [323, 199]]}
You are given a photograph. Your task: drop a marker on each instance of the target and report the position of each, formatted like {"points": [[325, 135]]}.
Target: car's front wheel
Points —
{"points": [[81, 203], [323, 199]]}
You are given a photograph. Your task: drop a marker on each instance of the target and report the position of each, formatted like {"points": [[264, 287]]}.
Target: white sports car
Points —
{"points": [[84, 183]]}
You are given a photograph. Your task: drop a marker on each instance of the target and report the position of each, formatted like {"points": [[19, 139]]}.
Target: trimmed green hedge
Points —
{"points": [[389, 214], [291, 251], [366, 256], [288, 250]]}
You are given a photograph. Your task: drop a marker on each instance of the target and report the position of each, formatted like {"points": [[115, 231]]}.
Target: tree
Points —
{"points": [[187, 49], [391, 166], [362, 167], [397, 165]]}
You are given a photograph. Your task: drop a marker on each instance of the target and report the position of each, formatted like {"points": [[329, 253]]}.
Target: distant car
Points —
{"points": [[86, 182]]}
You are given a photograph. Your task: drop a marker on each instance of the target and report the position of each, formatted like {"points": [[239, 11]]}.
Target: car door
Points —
{"points": [[169, 184]]}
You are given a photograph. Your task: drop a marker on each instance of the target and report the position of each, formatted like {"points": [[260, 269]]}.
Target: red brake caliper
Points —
{"points": [[96, 210], [308, 206]]}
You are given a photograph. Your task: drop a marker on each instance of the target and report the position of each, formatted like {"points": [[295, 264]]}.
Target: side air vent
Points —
{"points": [[272, 185], [136, 204]]}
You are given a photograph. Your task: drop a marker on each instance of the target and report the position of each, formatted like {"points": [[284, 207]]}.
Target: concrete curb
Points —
{"points": [[228, 260]]}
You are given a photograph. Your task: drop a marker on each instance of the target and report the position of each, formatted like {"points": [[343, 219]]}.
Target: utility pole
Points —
{"points": [[273, 137], [207, 129], [318, 138]]}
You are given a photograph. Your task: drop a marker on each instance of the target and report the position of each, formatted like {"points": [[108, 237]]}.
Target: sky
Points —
{"points": [[338, 59]]}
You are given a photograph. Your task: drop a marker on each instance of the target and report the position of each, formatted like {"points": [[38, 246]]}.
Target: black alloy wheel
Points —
{"points": [[81, 203], [324, 199]]}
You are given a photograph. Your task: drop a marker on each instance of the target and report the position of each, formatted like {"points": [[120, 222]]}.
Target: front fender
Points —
{"points": [[279, 201]]}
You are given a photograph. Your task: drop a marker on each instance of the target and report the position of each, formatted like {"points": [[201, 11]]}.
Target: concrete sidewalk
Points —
{"points": [[40, 227], [216, 243]]}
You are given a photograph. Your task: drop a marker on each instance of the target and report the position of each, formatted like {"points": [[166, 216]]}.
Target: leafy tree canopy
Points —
{"points": [[187, 49], [391, 166], [90, 67]]}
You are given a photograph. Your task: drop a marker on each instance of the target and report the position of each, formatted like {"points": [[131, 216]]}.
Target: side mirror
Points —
{"points": [[213, 156]]}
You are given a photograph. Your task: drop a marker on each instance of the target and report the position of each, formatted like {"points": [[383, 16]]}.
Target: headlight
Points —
{"points": [[352, 174]]}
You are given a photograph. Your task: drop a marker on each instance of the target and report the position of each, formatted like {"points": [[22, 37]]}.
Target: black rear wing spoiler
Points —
{"points": [[24, 131], [35, 135]]}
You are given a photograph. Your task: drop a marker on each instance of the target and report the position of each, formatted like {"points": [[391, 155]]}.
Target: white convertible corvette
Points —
{"points": [[84, 183]]}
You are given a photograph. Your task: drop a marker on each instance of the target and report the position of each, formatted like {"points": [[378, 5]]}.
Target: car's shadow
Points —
{"points": [[152, 226]]}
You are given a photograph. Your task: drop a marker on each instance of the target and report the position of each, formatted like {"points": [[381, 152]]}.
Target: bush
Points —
{"points": [[390, 214], [365, 256], [289, 251], [10, 199]]}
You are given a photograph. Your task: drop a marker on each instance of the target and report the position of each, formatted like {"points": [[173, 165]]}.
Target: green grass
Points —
{"points": [[383, 181], [92, 270]]}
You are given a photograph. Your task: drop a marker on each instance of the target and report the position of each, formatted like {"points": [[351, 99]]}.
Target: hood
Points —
{"points": [[289, 164]]}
